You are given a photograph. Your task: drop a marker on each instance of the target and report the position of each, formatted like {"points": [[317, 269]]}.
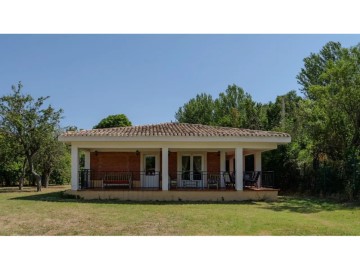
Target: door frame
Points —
{"points": [[143, 155]]}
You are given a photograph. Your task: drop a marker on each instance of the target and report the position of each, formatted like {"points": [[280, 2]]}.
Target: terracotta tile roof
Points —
{"points": [[175, 129]]}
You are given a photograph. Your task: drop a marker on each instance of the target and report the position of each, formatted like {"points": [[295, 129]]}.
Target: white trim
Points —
{"points": [[272, 139], [180, 146]]}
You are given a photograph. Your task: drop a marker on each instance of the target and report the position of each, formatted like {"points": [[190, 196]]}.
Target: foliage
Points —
{"points": [[117, 120], [53, 155], [233, 108], [324, 155], [199, 110], [26, 125]]}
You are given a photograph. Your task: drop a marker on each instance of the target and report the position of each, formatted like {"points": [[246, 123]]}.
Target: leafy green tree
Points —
{"points": [[230, 107], [25, 122], [12, 167], [50, 156], [199, 110], [315, 65], [233, 108], [333, 114], [118, 120]]}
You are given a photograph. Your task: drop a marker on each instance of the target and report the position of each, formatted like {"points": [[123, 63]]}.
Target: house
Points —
{"points": [[172, 161]]}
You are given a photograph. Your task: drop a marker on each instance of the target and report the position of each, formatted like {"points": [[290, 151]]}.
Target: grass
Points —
{"points": [[51, 213]]}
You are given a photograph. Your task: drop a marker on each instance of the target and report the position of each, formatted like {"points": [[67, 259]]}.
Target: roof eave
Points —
{"points": [[273, 139]]}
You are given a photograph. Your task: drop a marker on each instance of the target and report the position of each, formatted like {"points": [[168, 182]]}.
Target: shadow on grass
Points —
{"points": [[60, 196], [285, 203], [308, 205]]}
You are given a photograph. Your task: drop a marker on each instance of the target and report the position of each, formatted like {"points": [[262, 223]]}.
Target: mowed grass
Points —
{"points": [[52, 213]]}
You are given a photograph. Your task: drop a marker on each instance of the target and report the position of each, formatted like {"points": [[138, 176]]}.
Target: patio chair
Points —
{"points": [[253, 181], [172, 182], [229, 181], [213, 181]]}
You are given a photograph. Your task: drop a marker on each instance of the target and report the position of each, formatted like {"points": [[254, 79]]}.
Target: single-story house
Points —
{"points": [[172, 161]]}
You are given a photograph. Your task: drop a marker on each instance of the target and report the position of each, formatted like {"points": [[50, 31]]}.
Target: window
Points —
{"points": [[191, 167], [150, 165]]}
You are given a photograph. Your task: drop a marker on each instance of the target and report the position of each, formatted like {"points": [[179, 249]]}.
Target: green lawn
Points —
{"points": [[50, 213]]}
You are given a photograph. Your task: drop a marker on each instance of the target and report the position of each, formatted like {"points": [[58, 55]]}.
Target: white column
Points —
{"points": [[74, 167], [165, 168], [222, 167], [238, 168], [257, 165]]}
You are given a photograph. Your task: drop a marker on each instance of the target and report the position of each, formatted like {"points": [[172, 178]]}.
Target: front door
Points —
{"points": [[150, 178]]}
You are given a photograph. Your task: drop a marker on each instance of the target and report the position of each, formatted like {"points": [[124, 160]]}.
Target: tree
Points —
{"points": [[25, 122], [233, 108], [199, 110], [315, 65], [50, 156], [12, 165], [333, 113], [117, 120]]}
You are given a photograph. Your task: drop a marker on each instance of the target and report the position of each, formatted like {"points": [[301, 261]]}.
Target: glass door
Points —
{"points": [[191, 170], [197, 167], [185, 167]]}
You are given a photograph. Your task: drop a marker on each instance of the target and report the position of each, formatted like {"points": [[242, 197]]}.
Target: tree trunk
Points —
{"points": [[38, 182], [45, 177], [21, 183], [21, 179]]}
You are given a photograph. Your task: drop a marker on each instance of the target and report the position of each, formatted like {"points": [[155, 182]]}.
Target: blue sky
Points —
{"points": [[148, 77]]}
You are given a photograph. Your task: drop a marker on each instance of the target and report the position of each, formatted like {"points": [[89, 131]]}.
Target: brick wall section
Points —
{"points": [[213, 162], [129, 161], [173, 165], [172, 158], [115, 161]]}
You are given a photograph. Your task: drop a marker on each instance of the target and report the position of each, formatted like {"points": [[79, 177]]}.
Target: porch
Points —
{"points": [[179, 181], [170, 169], [186, 159]]}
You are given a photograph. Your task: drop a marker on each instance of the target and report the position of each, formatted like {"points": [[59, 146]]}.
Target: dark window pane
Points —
{"points": [[185, 167], [197, 160], [150, 165]]}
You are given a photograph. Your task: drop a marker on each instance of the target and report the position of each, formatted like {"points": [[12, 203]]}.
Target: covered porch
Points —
{"points": [[174, 170], [172, 161]]}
